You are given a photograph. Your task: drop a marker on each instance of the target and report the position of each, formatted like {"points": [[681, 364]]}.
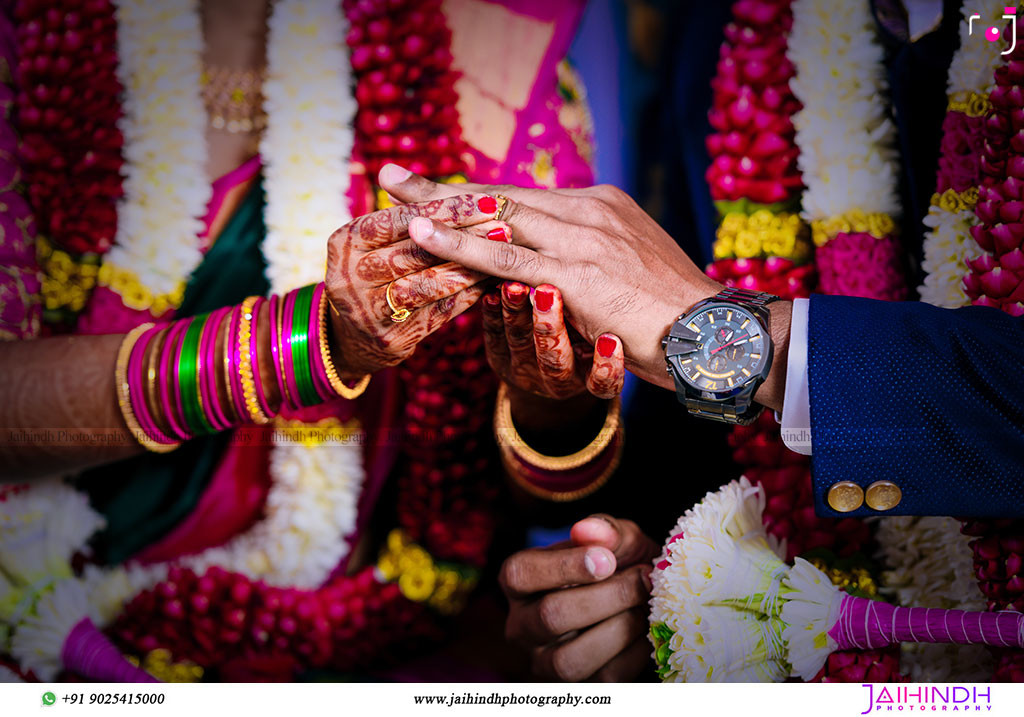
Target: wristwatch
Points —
{"points": [[719, 352]]}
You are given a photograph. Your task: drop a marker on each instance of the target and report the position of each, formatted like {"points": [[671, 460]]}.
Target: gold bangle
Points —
{"points": [[507, 435], [245, 372], [508, 461], [325, 355], [124, 397]]}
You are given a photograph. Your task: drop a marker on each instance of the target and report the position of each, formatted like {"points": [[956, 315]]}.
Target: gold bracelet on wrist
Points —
{"points": [[325, 354], [124, 399], [248, 379], [515, 471], [507, 435]]}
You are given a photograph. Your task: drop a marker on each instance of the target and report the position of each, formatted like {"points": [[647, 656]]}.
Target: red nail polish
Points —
{"points": [[543, 299], [492, 300], [487, 205], [497, 234], [515, 292], [606, 346]]}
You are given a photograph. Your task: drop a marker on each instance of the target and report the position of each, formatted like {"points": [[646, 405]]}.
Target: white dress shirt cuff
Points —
{"points": [[796, 409]]}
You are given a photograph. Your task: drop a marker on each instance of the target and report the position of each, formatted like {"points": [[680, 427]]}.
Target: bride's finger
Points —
{"points": [[515, 309], [415, 291], [555, 359], [608, 372], [495, 343], [387, 226]]}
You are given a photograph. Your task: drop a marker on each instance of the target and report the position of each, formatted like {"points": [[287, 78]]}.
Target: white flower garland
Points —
{"points": [[308, 139], [949, 243], [312, 505], [166, 192], [928, 559], [845, 136]]}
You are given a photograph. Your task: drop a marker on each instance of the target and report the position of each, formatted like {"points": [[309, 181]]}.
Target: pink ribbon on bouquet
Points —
{"points": [[868, 624], [88, 652]]}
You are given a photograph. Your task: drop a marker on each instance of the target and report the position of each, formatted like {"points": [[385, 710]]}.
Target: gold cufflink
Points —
{"points": [[845, 496], [883, 495]]}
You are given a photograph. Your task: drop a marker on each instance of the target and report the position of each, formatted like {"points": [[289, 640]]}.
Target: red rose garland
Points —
{"points": [[753, 155], [406, 86], [447, 447], [754, 162], [67, 110], [996, 279], [221, 618], [754, 159], [226, 620]]}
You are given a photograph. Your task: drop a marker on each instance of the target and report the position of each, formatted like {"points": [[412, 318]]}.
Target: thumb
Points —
{"points": [[623, 537], [407, 187]]}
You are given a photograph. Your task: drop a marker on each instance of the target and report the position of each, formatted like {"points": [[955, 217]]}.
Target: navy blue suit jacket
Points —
{"points": [[931, 399]]}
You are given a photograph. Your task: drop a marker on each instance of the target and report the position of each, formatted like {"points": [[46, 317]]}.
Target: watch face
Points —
{"points": [[719, 348]]}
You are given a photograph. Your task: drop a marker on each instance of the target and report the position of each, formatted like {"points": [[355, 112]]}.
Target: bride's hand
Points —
{"points": [[373, 252], [530, 347]]}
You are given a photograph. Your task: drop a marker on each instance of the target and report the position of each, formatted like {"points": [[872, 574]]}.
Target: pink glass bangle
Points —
{"points": [[288, 307], [275, 349], [234, 373], [136, 376], [320, 380], [254, 358], [208, 371], [173, 412]]}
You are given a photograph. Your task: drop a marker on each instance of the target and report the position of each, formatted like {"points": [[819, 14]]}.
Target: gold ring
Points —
{"points": [[502, 203], [397, 315]]}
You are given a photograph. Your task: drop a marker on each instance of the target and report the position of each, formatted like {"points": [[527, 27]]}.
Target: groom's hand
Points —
{"points": [[582, 605], [619, 272]]}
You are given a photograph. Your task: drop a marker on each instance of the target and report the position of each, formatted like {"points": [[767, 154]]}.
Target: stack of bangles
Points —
{"points": [[212, 372], [558, 478]]}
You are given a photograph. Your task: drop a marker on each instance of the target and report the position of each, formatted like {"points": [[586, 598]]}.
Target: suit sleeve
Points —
{"points": [[929, 399]]}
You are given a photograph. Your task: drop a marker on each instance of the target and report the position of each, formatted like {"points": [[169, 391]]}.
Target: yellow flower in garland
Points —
{"points": [[855, 221], [442, 587], [762, 234], [67, 281]]}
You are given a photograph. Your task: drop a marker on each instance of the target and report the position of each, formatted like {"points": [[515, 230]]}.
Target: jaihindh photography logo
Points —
{"points": [[927, 698]]}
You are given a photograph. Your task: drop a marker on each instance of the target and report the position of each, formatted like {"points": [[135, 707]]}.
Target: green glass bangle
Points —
{"points": [[188, 377], [302, 361]]}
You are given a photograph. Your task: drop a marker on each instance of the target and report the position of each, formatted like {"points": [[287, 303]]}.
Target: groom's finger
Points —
{"points": [[405, 186], [501, 259]]}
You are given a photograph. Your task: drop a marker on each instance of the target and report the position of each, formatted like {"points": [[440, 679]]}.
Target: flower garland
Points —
{"points": [[159, 47], [307, 147], [766, 248], [220, 618], [996, 276], [928, 560], [847, 153], [406, 46], [310, 508], [67, 113], [951, 215], [20, 308], [928, 563], [448, 445]]}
